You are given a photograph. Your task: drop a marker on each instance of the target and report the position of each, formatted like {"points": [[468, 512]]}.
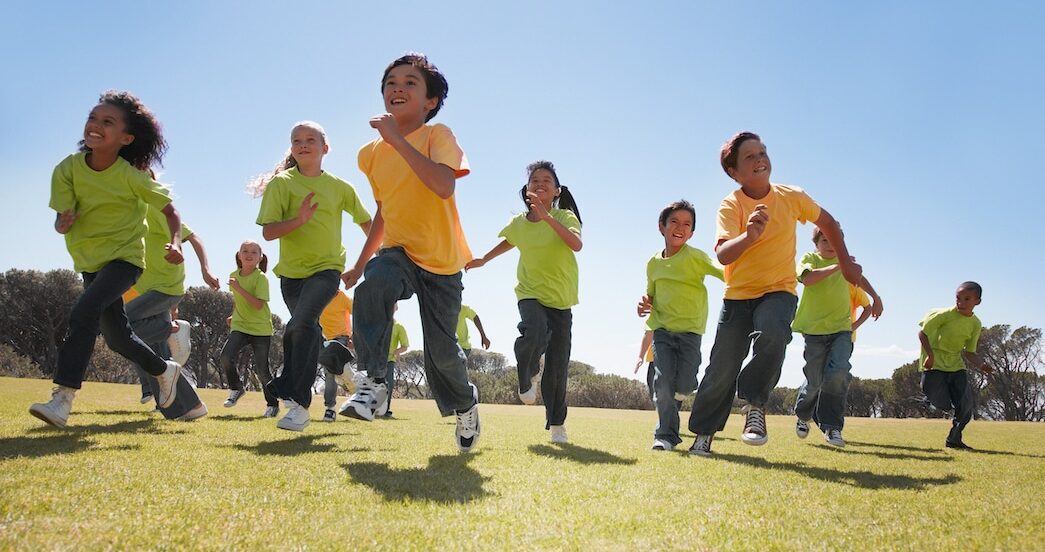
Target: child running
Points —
{"points": [[336, 321], [250, 324], [949, 337], [413, 169], [301, 207], [100, 195], [825, 320], [677, 304], [467, 313], [547, 235], [755, 241]]}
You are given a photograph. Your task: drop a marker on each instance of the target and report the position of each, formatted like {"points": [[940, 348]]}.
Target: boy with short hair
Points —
{"points": [[677, 303], [755, 241], [825, 320], [412, 168], [948, 338]]}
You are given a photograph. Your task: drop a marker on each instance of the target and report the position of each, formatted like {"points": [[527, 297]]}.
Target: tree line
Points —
{"points": [[35, 305]]}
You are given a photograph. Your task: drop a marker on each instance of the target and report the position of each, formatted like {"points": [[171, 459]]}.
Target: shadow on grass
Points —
{"points": [[447, 479], [893, 447], [887, 455], [998, 452], [47, 441], [581, 455], [862, 479], [292, 447], [117, 412]]}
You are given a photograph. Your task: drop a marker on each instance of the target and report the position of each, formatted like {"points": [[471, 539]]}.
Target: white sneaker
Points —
{"points": [[194, 414], [180, 342], [55, 411], [834, 438], [559, 434], [168, 384], [754, 426], [661, 444], [368, 398], [701, 445], [270, 412], [530, 396], [801, 428], [296, 418], [466, 434]]}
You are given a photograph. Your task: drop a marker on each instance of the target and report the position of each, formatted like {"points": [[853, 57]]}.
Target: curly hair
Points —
{"points": [[435, 82], [148, 146]]}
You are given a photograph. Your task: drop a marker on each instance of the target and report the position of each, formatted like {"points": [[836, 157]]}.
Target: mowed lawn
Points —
{"points": [[119, 476]]}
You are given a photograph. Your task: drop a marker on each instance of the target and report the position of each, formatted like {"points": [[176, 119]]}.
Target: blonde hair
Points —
{"points": [[263, 264], [256, 186]]}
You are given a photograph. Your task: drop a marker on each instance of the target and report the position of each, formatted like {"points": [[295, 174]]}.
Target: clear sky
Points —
{"points": [[917, 124]]}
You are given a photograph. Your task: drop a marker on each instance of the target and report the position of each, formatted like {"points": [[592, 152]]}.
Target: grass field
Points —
{"points": [[121, 477]]}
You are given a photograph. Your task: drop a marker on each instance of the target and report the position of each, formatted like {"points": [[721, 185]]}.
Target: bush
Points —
{"points": [[17, 366]]}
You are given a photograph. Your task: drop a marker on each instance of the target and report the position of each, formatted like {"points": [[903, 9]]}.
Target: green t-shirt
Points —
{"points": [[111, 206], [547, 266], [316, 245], [949, 332], [676, 286], [160, 275], [245, 318], [398, 340], [824, 308], [462, 326]]}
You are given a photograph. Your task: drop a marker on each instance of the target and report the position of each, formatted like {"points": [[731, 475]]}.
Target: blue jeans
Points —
{"points": [[150, 317], [229, 359], [305, 298], [390, 277], [100, 307], [762, 325], [822, 396], [390, 382], [676, 359], [545, 331], [950, 390]]}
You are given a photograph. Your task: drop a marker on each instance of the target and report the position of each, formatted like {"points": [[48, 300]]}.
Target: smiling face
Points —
{"points": [[307, 145], [753, 167], [542, 183], [677, 230], [106, 129], [249, 256], [965, 300], [406, 95]]}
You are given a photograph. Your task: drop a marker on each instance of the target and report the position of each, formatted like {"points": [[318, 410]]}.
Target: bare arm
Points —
{"points": [[730, 250], [373, 241], [851, 271], [876, 301], [174, 254], [977, 361], [479, 326], [814, 276], [366, 225], [573, 241], [64, 221], [490, 255], [865, 313], [276, 230], [437, 177], [647, 340], [924, 339], [201, 256], [251, 300]]}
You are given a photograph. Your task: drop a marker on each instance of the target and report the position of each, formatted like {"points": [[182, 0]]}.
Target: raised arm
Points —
{"points": [[437, 177], [276, 230], [850, 270], [730, 250]]}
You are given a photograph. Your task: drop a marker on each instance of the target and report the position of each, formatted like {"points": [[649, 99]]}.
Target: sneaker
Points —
{"points": [[56, 410], [296, 418], [801, 428], [834, 438], [270, 412], [950, 444], [194, 414], [530, 396], [146, 397], [329, 415], [368, 398], [234, 396], [754, 426], [180, 342], [466, 435], [559, 434], [661, 444], [387, 414], [168, 383], [701, 445]]}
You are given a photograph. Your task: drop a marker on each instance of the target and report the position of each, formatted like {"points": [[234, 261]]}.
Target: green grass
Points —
{"points": [[122, 477]]}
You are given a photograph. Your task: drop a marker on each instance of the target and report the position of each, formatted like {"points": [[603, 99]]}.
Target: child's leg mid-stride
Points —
{"points": [[947, 390], [531, 344], [556, 365], [676, 359], [822, 397]]}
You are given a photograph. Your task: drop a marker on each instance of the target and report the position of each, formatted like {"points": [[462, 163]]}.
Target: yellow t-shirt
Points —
{"points": [[336, 318], [316, 245], [950, 332], [398, 340], [160, 275], [426, 226], [462, 326], [769, 264], [111, 206], [857, 298]]}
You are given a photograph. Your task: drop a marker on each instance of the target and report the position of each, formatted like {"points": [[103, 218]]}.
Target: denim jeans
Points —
{"points": [[822, 396], [545, 331], [150, 317], [390, 382], [305, 298], [390, 277], [676, 358], [100, 306], [260, 345], [333, 357], [950, 390], [762, 325]]}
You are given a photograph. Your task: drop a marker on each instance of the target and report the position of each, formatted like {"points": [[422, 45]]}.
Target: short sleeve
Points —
{"points": [[805, 264], [62, 196], [649, 277], [148, 190], [445, 151], [708, 266], [185, 231], [351, 204], [974, 339], [365, 160], [272, 204], [568, 219], [729, 224], [931, 323], [807, 209], [467, 312], [263, 287], [508, 233]]}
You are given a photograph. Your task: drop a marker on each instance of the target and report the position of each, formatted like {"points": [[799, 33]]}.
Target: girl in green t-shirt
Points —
{"points": [[547, 235], [100, 195]]}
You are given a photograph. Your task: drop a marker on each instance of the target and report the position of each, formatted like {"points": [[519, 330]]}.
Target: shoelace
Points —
{"points": [[467, 422], [756, 422]]}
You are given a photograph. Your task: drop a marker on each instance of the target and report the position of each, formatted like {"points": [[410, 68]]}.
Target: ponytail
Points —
{"points": [[566, 201], [264, 264], [256, 186]]}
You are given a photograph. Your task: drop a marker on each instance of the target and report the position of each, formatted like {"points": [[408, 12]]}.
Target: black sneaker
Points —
{"points": [[958, 445], [329, 415]]}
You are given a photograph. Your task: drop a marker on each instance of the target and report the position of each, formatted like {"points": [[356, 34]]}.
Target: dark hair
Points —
{"points": [[680, 205], [976, 288], [263, 265], [731, 149], [148, 146], [818, 233], [435, 82], [256, 186], [565, 199]]}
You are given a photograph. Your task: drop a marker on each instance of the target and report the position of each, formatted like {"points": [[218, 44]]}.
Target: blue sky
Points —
{"points": [[916, 124]]}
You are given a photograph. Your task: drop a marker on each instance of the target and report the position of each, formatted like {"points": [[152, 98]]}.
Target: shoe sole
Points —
{"points": [[755, 442], [836, 445], [351, 412], [699, 453], [194, 414], [44, 415], [291, 426], [173, 391]]}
